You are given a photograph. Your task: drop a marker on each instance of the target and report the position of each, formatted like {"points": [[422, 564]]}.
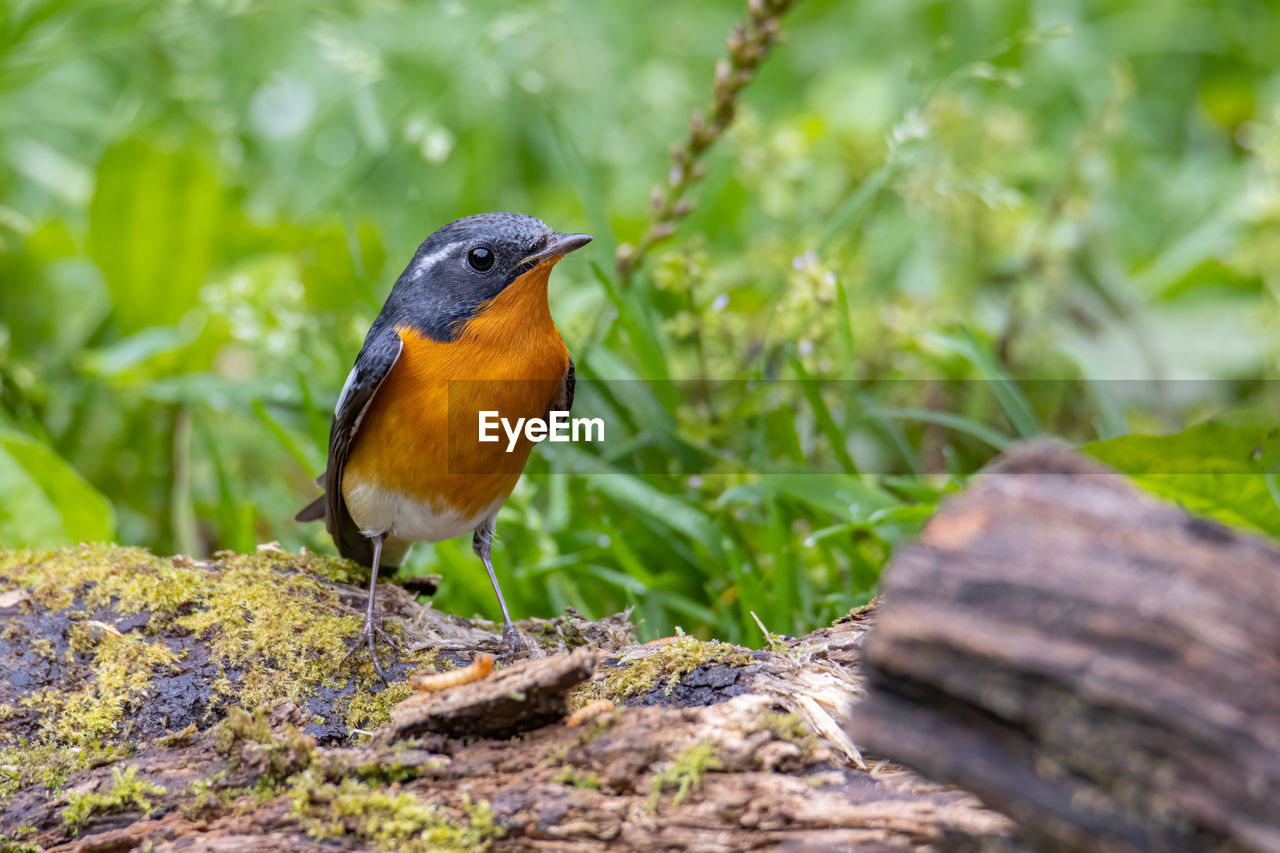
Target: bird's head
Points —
{"points": [[470, 261]]}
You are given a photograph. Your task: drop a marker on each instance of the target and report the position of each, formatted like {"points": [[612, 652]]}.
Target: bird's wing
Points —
{"points": [[380, 352], [564, 402]]}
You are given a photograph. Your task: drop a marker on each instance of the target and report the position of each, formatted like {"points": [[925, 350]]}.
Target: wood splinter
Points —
{"points": [[431, 682]]}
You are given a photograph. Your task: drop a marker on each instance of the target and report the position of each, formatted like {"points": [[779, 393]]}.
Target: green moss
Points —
{"points": [[127, 792], [12, 844], [123, 669], [685, 773], [391, 773], [267, 617], [388, 771], [557, 754], [390, 819], [246, 737], [336, 569], [200, 792], [43, 648], [179, 739], [129, 579], [23, 764], [368, 709], [284, 629], [570, 776], [666, 665], [241, 725], [789, 727], [213, 793]]}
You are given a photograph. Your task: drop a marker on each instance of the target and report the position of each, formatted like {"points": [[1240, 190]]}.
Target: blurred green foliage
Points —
{"points": [[203, 202]]}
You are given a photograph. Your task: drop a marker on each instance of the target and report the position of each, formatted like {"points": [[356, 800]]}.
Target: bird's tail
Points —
{"points": [[356, 546], [313, 511]]}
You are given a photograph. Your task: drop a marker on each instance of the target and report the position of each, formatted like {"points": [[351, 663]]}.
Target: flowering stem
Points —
{"points": [[748, 46]]}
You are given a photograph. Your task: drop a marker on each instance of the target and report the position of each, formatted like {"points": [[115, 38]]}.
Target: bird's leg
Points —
{"points": [[373, 631], [512, 643]]}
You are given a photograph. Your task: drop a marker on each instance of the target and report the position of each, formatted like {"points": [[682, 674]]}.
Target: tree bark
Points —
{"points": [[1100, 666], [716, 748]]}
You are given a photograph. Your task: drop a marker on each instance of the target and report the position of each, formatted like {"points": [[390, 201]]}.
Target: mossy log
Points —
{"points": [[1101, 666], [122, 726]]}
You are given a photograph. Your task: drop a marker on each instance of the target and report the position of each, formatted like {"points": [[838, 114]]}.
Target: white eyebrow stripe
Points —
{"points": [[429, 261]]}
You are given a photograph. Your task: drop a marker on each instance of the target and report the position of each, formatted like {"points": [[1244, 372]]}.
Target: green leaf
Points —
{"points": [[153, 223], [125, 355], [642, 332], [826, 423], [843, 495], [952, 421], [971, 349], [858, 202], [660, 511], [46, 502], [1217, 468], [660, 508]]}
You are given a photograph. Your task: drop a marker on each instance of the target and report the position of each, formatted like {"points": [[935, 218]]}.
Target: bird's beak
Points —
{"points": [[558, 245]]}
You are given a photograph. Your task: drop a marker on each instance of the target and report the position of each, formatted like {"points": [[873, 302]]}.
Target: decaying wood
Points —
{"points": [[1100, 666], [559, 788], [530, 694], [709, 760], [43, 647]]}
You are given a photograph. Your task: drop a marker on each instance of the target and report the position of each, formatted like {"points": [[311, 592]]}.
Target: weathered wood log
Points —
{"points": [[1100, 666], [730, 776], [117, 646], [711, 746]]}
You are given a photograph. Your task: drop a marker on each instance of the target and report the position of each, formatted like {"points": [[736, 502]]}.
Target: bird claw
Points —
{"points": [[513, 644], [370, 635]]}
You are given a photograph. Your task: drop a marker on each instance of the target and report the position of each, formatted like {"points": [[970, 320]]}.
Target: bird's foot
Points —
{"points": [[370, 635], [513, 644]]}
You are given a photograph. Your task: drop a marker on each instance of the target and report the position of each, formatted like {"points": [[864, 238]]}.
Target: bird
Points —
{"points": [[466, 328]]}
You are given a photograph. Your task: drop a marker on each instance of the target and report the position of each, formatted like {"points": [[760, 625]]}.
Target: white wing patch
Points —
{"points": [[359, 418], [346, 389]]}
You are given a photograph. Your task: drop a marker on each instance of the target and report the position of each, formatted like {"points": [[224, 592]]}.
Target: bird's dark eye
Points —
{"points": [[480, 258]]}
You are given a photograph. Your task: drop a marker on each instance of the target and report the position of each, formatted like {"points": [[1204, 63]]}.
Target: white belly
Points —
{"points": [[376, 511]]}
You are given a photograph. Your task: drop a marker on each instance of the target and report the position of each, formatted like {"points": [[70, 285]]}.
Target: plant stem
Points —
{"points": [[748, 46]]}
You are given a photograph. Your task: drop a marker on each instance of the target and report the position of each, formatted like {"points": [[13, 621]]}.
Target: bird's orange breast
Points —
{"points": [[420, 436]]}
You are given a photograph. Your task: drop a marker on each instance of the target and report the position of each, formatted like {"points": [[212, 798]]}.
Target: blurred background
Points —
{"points": [[935, 226]]}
